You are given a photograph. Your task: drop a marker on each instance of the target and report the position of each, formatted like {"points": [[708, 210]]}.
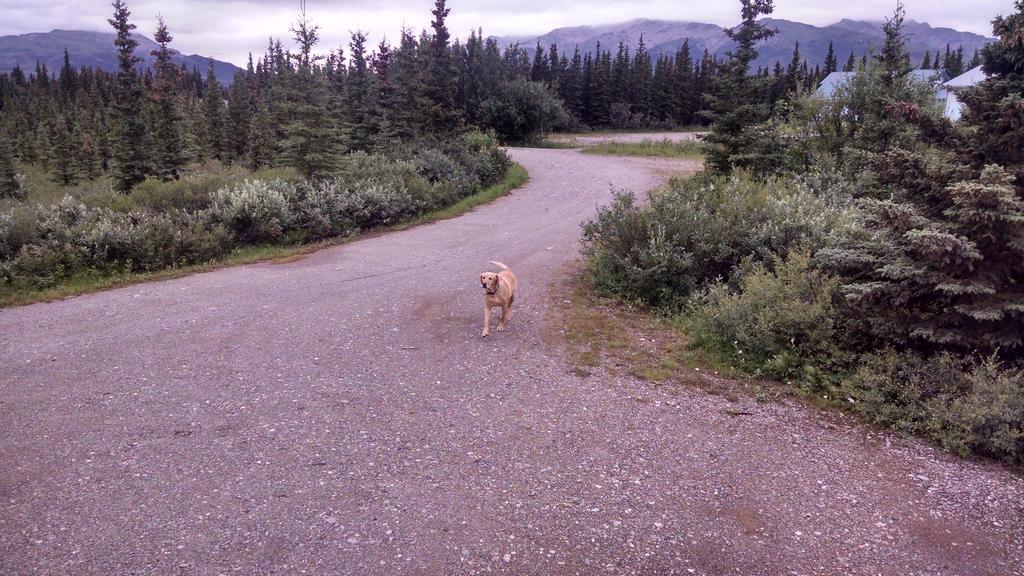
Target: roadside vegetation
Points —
{"points": [[685, 149], [861, 250], [106, 178]]}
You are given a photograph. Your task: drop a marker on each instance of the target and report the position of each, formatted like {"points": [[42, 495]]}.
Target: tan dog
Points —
{"points": [[499, 290]]}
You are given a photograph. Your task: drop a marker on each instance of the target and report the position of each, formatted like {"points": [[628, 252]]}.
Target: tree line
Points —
{"points": [[302, 109]]}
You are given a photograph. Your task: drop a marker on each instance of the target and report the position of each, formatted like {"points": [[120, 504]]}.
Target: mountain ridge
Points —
{"points": [[90, 49], [666, 36]]}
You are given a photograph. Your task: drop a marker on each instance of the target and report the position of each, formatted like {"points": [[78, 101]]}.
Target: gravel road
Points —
{"points": [[341, 415]]}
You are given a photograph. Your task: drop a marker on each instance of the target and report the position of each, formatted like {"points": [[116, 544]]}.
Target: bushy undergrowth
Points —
{"points": [[733, 260], [697, 231], [779, 321], [967, 405], [168, 224]]}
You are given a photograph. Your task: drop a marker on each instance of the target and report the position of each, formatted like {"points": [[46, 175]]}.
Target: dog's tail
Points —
{"points": [[500, 265]]}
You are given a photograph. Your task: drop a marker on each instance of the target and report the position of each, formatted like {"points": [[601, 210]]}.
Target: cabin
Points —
{"points": [[954, 108]]}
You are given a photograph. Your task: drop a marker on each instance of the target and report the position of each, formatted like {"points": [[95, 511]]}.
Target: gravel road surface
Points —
{"points": [[341, 415]]}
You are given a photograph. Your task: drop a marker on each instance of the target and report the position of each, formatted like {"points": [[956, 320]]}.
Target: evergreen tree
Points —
{"points": [[641, 79], [213, 132], [310, 143], [442, 114], [410, 88], [993, 112], [8, 177], [831, 64], [261, 137], [68, 79], [793, 72], [360, 104], [736, 138], [168, 144], [926, 64], [63, 156], [850, 63], [239, 116], [129, 155], [894, 57]]}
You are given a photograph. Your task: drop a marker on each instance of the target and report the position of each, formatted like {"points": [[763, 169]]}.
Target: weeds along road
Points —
{"points": [[341, 415]]}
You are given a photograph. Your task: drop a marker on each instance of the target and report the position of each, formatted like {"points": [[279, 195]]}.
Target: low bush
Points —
{"points": [[256, 211], [211, 212], [969, 406], [781, 321], [697, 231]]}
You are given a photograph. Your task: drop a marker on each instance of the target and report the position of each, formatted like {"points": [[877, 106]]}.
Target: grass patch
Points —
{"points": [[603, 332], [685, 149], [556, 144], [281, 253]]}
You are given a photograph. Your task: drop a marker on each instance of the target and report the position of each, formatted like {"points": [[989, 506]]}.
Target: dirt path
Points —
{"points": [[341, 415]]}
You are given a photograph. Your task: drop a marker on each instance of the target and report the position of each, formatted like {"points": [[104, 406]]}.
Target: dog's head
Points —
{"points": [[489, 280]]}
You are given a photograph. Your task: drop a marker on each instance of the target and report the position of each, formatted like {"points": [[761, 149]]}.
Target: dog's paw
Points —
{"points": [[484, 334], [501, 327]]}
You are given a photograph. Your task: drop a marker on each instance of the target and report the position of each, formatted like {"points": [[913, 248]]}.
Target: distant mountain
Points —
{"points": [[93, 49], [663, 36]]}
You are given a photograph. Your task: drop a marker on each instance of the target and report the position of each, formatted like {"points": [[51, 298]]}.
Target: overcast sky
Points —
{"points": [[229, 29]]}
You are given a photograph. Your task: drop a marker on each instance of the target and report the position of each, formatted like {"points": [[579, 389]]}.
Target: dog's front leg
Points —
{"points": [[487, 320]]}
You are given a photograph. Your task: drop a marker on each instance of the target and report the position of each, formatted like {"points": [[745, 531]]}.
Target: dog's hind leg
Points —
{"points": [[506, 312]]}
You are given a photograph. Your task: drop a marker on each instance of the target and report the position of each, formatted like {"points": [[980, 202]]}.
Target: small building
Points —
{"points": [[954, 107]]}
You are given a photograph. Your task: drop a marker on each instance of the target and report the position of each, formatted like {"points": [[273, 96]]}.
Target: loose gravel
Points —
{"points": [[341, 415]]}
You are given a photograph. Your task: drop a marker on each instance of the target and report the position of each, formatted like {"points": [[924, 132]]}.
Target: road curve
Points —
{"points": [[341, 415]]}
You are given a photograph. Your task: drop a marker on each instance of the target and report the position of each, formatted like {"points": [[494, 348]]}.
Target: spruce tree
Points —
{"points": [[168, 143], [441, 77], [851, 63], [737, 138], [213, 116], [410, 88], [310, 144], [261, 137], [360, 103], [128, 154], [63, 155], [8, 178], [831, 64]]}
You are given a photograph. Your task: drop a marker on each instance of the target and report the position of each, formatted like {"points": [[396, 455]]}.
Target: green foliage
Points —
{"points": [[521, 111], [665, 148], [940, 270], [699, 230], [255, 210], [739, 137], [781, 320], [9, 186], [168, 144], [206, 215], [968, 406], [130, 158]]}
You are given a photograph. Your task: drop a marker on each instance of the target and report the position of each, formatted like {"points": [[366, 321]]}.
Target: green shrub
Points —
{"points": [[780, 321], [521, 111], [256, 211], [968, 406], [213, 210], [697, 231]]}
